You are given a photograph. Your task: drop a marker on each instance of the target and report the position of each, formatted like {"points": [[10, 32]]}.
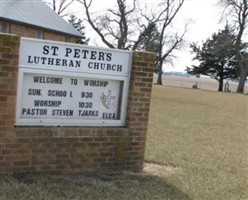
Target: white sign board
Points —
{"points": [[64, 84], [41, 54]]}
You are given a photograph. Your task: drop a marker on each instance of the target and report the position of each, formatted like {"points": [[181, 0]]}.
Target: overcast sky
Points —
{"points": [[205, 16]]}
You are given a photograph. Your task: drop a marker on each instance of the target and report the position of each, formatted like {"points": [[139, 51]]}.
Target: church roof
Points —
{"points": [[37, 14]]}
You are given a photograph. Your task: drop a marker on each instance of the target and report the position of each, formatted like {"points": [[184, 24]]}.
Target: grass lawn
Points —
{"points": [[199, 138], [204, 136]]}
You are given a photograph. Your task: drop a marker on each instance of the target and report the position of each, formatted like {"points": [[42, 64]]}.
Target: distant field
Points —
{"points": [[197, 146], [203, 135], [203, 83]]}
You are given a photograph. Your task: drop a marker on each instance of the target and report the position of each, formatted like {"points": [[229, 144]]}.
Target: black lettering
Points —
{"points": [[104, 66], [36, 79], [47, 103], [90, 65], [43, 79], [74, 81], [36, 59], [109, 56], [68, 51], [85, 53], [96, 65], [34, 92], [78, 63], [76, 53], [88, 113], [108, 67], [24, 110], [87, 95], [108, 116], [64, 63], [93, 55], [85, 104], [58, 62], [101, 56], [50, 61], [119, 68], [45, 50], [34, 111], [54, 48], [59, 112], [86, 82], [71, 64], [57, 93], [95, 83], [29, 59], [43, 59]]}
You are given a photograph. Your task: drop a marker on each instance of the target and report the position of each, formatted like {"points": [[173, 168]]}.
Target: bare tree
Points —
{"points": [[124, 28], [168, 41], [116, 26], [60, 6], [238, 11]]}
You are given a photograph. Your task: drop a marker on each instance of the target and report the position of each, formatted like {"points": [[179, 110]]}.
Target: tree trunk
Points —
{"points": [[243, 76], [242, 80], [221, 85], [159, 80], [160, 73]]}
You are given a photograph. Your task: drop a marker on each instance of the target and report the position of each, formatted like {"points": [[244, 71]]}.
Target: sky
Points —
{"points": [[204, 14]]}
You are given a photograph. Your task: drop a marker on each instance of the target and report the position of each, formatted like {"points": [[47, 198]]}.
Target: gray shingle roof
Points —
{"points": [[35, 13]]}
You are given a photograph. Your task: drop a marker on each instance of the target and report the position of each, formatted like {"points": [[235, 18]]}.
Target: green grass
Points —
{"points": [[201, 137], [205, 135]]}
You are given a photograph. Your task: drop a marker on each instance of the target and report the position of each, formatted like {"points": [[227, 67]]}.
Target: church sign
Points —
{"points": [[62, 84]]}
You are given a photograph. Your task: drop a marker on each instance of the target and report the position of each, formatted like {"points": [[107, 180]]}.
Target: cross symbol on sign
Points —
{"points": [[106, 100]]}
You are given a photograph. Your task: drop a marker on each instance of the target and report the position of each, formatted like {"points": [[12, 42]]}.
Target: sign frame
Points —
{"points": [[28, 69]]}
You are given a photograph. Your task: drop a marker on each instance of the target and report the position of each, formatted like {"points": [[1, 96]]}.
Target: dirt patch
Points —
{"points": [[159, 169]]}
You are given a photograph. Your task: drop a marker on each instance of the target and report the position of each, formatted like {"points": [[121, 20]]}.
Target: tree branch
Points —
{"points": [[90, 21]]}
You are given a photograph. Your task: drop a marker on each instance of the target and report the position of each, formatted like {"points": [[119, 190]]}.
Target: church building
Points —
{"points": [[34, 19]]}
